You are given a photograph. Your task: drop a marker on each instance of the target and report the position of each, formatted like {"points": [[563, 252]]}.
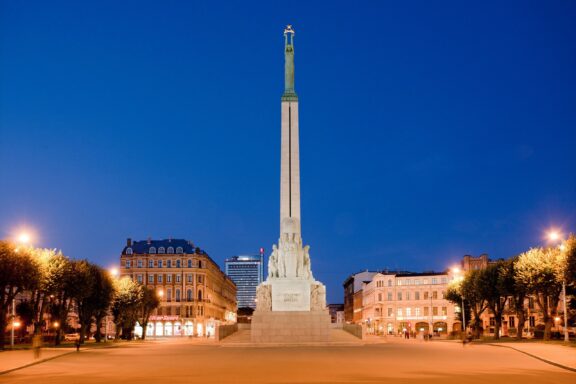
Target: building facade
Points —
{"points": [[247, 272], [195, 294], [353, 286], [395, 303]]}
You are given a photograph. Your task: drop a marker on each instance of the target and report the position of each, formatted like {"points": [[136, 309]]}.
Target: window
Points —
{"points": [[159, 278], [177, 263], [200, 279], [531, 302], [399, 312], [189, 278], [443, 280], [189, 263], [200, 295], [139, 279], [435, 311], [179, 250], [189, 295], [434, 280], [169, 278], [169, 295], [389, 312], [417, 312], [532, 321], [389, 296], [151, 279], [139, 263], [434, 295], [169, 264], [389, 283], [416, 295], [416, 282], [408, 312], [444, 311], [160, 262], [426, 311], [177, 278], [150, 263], [177, 311], [152, 250], [492, 321], [426, 295], [161, 250], [128, 264], [170, 250], [177, 295], [199, 263], [128, 251], [512, 322], [407, 295], [399, 295], [379, 297]]}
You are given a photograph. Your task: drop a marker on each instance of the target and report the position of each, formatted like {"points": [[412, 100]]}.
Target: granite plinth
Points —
{"points": [[290, 327]]}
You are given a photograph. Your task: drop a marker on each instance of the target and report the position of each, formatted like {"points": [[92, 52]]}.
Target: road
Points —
{"points": [[178, 361]]}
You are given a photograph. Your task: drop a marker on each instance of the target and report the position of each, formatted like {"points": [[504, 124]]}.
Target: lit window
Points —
{"points": [[408, 312], [170, 250], [161, 250], [152, 250], [399, 313], [389, 312], [417, 312]]}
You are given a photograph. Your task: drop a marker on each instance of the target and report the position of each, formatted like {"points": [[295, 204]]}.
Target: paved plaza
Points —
{"points": [[397, 361]]}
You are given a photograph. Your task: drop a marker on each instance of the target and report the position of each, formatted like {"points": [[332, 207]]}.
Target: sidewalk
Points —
{"points": [[558, 355], [12, 360]]}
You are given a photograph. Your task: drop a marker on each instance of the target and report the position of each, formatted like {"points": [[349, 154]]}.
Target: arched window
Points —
{"points": [[178, 295], [179, 250], [152, 250], [190, 263], [189, 295], [170, 250], [161, 250], [200, 295], [128, 251]]}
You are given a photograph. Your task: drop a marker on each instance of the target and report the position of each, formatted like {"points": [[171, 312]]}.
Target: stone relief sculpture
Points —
{"points": [[273, 263], [264, 298], [318, 297]]}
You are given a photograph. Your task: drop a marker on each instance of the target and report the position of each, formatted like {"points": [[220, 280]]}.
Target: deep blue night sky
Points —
{"points": [[429, 130]]}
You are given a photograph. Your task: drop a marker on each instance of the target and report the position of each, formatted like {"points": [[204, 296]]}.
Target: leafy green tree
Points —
{"points": [[541, 270], [453, 294], [518, 293], [83, 275], [494, 285], [149, 303], [18, 273], [60, 286], [102, 300], [127, 298], [569, 250], [470, 289]]}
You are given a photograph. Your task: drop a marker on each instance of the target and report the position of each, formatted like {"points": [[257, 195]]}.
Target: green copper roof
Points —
{"points": [[289, 93]]}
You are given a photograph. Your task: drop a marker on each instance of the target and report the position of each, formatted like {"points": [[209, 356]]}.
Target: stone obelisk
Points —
{"points": [[291, 306]]}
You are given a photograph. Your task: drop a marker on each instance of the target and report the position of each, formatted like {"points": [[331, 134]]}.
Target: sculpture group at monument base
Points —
{"points": [[290, 327]]}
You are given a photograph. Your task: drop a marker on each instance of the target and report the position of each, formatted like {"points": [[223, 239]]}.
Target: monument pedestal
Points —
{"points": [[288, 327]]}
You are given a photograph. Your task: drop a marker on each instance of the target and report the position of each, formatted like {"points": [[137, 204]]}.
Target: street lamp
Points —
{"points": [[24, 239], [554, 236]]}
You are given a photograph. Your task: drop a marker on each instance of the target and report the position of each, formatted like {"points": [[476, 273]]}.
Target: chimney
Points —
{"points": [[128, 242]]}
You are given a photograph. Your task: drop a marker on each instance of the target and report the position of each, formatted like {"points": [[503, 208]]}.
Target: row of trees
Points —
{"points": [[54, 285], [506, 284]]}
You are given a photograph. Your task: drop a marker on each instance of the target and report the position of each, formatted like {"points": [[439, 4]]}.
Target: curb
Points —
{"points": [[534, 356]]}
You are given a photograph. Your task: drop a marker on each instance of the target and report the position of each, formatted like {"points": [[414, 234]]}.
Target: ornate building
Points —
{"points": [[195, 294]]}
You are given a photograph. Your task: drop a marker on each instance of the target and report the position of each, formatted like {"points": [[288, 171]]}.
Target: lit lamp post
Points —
{"points": [[555, 236], [458, 277]]}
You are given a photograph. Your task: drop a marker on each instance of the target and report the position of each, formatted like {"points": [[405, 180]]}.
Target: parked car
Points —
{"points": [[71, 337]]}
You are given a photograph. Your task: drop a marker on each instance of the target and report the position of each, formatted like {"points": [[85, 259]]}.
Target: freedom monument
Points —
{"points": [[291, 304]]}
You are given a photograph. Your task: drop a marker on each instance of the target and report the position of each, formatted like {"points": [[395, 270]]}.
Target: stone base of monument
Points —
{"points": [[290, 327]]}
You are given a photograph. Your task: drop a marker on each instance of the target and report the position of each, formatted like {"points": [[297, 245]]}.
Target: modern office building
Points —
{"points": [[247, 272], [195, 294]]}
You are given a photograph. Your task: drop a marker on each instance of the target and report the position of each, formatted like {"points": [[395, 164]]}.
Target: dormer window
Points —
{"points": [[161, 250], [152, 250], [179, 250], [128, 251], [170, 250]]}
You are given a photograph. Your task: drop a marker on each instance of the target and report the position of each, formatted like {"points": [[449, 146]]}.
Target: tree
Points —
{"points": [[453, 294], [60, 286], [18, 272], [102, 300], [494, 285], [518, 294], [149, 303], [83, 274], [569, 250], [541, 270], [127, 298], [478, 304]]}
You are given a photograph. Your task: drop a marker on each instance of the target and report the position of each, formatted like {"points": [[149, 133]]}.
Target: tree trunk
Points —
{"points": [[144, 328], [521, 322], [3, 325]]}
